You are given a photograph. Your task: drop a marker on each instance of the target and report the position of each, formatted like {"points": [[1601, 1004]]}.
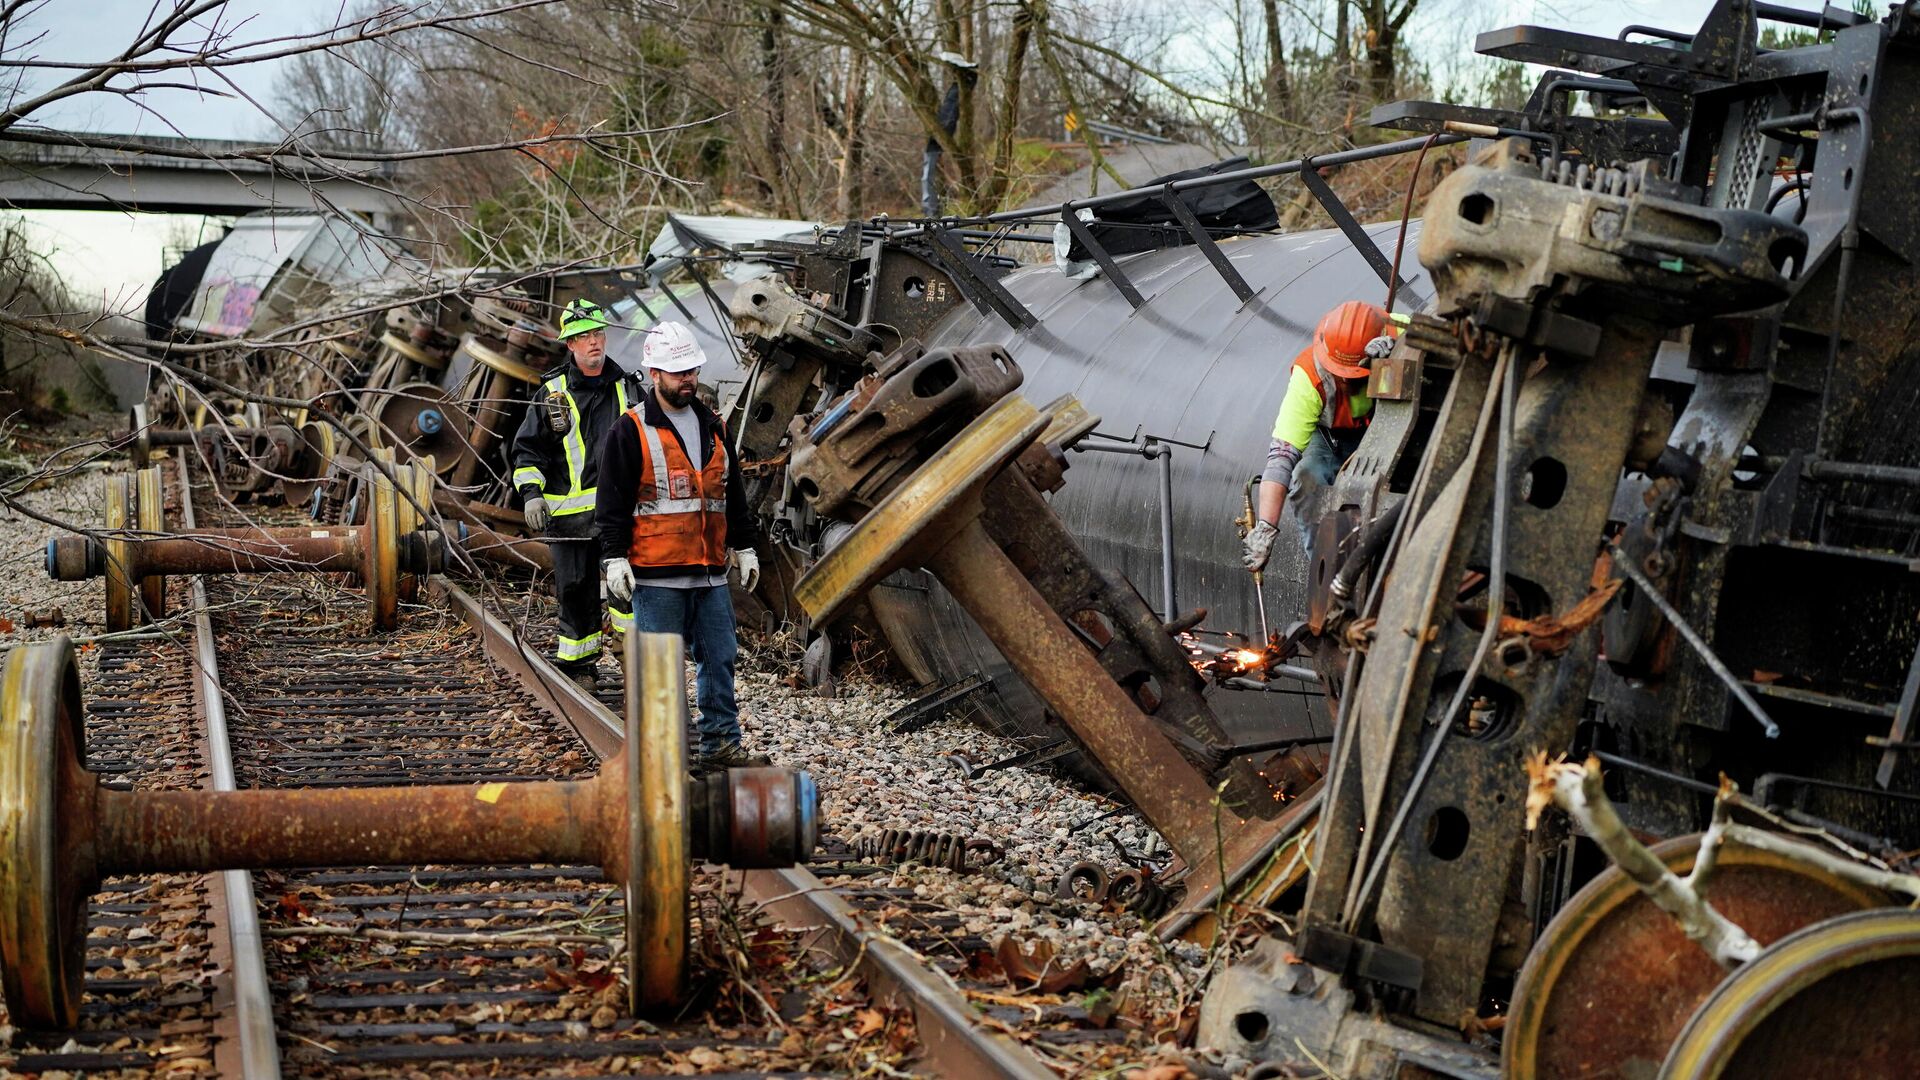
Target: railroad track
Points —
{"points": [[443, 971]]}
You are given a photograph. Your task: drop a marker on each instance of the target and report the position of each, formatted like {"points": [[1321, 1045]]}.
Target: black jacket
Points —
{"points": [[619, 471], [536, 446]]}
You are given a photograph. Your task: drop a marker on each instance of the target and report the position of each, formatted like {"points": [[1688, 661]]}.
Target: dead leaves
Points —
{"points": [[1036, 970], [868, 1021], [582, 973]]}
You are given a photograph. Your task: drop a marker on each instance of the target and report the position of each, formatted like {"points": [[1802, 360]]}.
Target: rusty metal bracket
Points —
{"points": [[1107, 266], [988, 295], [1356, 234], [1204, 241]]}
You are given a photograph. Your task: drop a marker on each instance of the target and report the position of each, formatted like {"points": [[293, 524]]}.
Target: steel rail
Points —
{"points": [[257, 1054], [954, 1042]]}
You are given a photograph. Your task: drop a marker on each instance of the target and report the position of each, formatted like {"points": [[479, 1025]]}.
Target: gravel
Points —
{"points": [[872, 779], [79, 499]]}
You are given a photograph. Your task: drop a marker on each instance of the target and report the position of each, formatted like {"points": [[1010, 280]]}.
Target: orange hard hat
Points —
{"points": [[1340, 341]]}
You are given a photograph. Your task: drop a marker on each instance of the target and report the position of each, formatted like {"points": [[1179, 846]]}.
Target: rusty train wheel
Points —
{"points": [[413, 353], [141, 448], [1835, 998], [924, 509], [118, 550], [423, 420], [657, 836], [150, 505], [310, 469], [500, 362], [382, 573], [43, 891], [417, 478], [1607, 988], [406, 520]]}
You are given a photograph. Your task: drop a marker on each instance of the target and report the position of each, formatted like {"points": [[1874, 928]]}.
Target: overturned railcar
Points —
{"points": [[1186, 386], [1632, 536]]}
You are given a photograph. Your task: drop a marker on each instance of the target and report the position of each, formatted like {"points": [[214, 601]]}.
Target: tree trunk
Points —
{"points": [[772, 70], [1382, 76], [1345, 87], [1384, 23], [853, 157], [1007, 124], [1276, 84]]}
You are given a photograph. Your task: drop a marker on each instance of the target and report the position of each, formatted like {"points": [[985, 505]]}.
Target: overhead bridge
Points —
{"points": [[42, 169]]}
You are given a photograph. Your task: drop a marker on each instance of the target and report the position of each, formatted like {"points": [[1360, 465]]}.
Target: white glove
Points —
{"points": [[539, 514], [747, 562], [619, 575], [1258, 547], [1379, 347]]}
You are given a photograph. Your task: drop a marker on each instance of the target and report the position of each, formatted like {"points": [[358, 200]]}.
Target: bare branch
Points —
{"points": [[1576, 789]]}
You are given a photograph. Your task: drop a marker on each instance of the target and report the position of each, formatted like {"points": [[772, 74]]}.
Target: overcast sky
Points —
{"points": [[81, 30], [108, 255]]}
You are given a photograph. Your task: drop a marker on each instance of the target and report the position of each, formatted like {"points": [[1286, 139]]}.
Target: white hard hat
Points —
{"points": [[671, 348], [954, 59]]}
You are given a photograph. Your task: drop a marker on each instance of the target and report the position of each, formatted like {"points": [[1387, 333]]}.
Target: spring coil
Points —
{"points": [[1610, 180], [932, 848]]}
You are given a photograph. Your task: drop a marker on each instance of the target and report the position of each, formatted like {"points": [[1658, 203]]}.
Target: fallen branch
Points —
{"points": [[426, 937], [1906, 884], [1576, 788]]}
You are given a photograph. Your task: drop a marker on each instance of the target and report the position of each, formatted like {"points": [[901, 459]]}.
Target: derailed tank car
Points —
{"points": [[1641, 495]]}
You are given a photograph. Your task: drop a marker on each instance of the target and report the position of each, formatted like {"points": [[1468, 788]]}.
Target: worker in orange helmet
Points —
{"points": [[1323, 416]]}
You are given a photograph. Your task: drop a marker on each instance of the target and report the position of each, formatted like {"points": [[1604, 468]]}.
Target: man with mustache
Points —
{"points": [[554, 454], [672, 515]]}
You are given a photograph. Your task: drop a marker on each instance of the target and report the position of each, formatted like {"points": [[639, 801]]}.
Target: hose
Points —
{"points": [[1372, 539]]}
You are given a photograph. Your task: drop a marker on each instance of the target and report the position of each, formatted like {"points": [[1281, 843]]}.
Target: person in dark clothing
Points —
{"points": [[671, 516], [555, 466], [949, 118]]}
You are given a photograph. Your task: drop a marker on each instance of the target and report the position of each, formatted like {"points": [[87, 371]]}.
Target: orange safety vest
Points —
{"points": [[1343, 418], [679, 512]]}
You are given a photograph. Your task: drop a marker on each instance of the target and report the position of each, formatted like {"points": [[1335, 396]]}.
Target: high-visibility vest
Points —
{"points": [[576, 499], [1342, 418], [679, 512]]}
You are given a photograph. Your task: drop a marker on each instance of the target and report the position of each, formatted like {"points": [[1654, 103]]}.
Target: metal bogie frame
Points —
{"points": [[1560, 467], [1094, 651]]}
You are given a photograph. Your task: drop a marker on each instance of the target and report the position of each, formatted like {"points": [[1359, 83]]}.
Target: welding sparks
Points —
{"points": [[1223, 662]]}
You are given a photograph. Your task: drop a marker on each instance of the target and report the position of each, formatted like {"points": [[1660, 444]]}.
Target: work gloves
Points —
{"points": [[747, 562], [1258, 547], [1379, 347], [619, 575], [539, 515]]}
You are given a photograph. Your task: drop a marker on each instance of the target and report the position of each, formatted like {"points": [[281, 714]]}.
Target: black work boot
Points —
{"points": [[586, 677], [730, 756]]}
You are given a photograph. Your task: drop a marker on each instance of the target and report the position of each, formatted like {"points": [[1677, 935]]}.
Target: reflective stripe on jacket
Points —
{"points": [[1351, 411], [574, 498], [680, 510]]}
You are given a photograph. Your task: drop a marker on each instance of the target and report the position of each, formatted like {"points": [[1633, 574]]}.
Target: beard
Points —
{"points": [[682, 397]]}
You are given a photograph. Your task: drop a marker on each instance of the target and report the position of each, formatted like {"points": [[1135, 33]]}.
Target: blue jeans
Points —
{"points": [[704, 620], [1323, 456]]}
